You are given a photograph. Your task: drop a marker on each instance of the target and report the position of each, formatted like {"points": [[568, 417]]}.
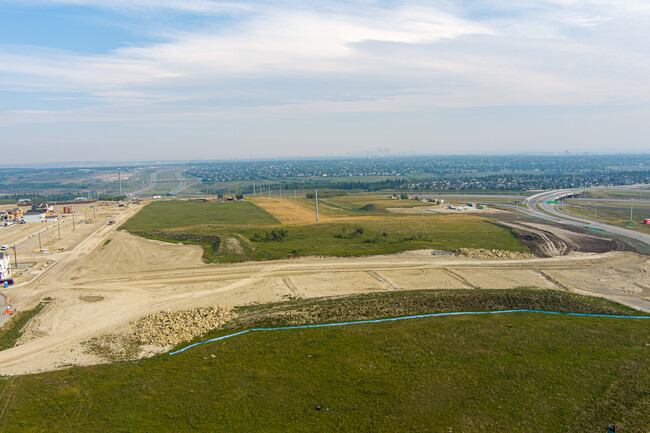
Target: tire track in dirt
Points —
{"points": [[552, 280], [292, 287], [387, 284], [460, 278]]}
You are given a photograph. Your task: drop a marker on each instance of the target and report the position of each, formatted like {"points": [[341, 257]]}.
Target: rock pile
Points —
{"points": [[170, 328], [492, 254]]}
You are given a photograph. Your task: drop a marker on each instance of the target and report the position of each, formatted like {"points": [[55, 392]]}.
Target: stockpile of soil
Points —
{"points": [[492, 254], [170, 328]]}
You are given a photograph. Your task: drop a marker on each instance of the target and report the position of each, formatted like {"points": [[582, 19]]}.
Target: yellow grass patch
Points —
{"points": [[287, 212]]}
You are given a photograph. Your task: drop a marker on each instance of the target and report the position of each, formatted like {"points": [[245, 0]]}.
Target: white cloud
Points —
{"points": [[359, 57], [134, 6]]}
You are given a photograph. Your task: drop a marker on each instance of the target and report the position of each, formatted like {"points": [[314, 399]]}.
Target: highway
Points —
{"points": [[538, 206]]}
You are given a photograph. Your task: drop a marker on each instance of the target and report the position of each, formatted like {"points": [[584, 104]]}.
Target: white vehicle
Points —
{"points": [[4, 247]]}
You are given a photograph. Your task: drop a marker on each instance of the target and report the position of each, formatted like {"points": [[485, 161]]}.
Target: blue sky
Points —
{"points": [[203, 79]]}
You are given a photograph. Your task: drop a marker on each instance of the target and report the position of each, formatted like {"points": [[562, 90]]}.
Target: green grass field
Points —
{"points": [[181, 213], [384, 235], [239, 231], [642, 193], [518, 372], [613, 216]]}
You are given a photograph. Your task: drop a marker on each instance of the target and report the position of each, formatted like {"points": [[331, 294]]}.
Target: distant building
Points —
{"points": [[5, 266]]}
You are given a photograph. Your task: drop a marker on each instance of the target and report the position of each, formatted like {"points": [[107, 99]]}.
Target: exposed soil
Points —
{"points": [[547, 239], [231, 246]]}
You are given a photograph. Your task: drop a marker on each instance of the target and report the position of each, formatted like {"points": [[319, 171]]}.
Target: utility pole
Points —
{"points": [[269, 191], [72, 222], [295, 201], [40, 247], [253, 189], [15, 258], [119, 180], [280, 195], [316, 205], [58, 228], [517, 206], [422, 200], [632, 209], [595, 210]]}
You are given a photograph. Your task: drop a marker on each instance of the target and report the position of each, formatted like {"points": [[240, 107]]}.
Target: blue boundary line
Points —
{"points": [[393, 319]]}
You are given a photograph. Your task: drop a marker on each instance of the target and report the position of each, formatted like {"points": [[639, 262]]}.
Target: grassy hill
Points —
{"points": [[517, 372]]}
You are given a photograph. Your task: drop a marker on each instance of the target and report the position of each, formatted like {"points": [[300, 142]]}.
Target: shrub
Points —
{"points": [[357, 232], [275, 235]]}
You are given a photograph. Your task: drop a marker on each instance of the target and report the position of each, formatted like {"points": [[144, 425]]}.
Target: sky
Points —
{"points": [[84, 80]]}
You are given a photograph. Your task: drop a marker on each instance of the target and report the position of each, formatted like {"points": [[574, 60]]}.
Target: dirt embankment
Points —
{"points": [[546, 239], [124, 254]]}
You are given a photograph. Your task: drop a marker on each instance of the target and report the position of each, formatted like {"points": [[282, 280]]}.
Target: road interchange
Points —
{"points": [[541, 206]]}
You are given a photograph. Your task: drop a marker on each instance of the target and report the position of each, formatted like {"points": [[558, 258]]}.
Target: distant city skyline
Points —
{"points": [[143, 80]]}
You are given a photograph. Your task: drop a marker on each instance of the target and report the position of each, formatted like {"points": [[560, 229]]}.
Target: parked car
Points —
{"points": [[4, 247]]}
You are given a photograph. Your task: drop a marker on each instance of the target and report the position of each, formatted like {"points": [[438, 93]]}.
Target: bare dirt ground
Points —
{"points": [[100, 287], [547, 239]]}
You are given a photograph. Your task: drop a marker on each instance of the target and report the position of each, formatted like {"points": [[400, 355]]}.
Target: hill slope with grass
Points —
{"points": [[517, 372]]}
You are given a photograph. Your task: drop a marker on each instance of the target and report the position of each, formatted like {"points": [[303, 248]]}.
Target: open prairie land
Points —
{"points": [[271, 229]]}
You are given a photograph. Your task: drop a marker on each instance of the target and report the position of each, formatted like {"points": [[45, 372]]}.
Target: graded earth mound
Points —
{"points": [[126, 254]]}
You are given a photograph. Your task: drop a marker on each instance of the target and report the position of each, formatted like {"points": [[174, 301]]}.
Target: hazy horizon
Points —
{"points": [[83, 80], [170, 162]]}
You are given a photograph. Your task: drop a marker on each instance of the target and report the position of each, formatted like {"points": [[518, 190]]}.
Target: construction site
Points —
{"points": [[103, 282]]}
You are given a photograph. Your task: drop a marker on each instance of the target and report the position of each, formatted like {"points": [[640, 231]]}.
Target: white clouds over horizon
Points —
{"points": [[305, 62]]}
